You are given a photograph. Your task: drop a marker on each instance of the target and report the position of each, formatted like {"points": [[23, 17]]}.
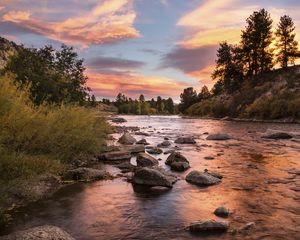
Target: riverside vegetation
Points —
{"points": [[46, 121], [247, 85]]}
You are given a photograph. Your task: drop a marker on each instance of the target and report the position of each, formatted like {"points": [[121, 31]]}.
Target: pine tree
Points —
{"points": [[256, 41], [229, 70], [286, 44]]}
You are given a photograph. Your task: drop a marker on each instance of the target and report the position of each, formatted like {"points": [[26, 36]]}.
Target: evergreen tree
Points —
{"points": [[169, 104], [286, 44], [204, 94], [187, 98], [229, 69], [256, 41]]}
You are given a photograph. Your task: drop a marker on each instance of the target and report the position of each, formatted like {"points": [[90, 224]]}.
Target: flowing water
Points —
{"points": [[261, 184]]}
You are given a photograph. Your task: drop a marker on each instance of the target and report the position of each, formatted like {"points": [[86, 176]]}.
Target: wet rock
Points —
{"points": [[165, 143], [221, 212], [185, 140], [208, 226], [153, 177], [142, 141], [134, 148], [169, 151], [201, 178], [218, 137], [277, 135], [214, 174], [46, 232], [177, 162], [85, 174], [209, 158], [127, 139], [145, 160], [142, 134], [115, 157], [118, 120], [126, 167], [154, 150]]}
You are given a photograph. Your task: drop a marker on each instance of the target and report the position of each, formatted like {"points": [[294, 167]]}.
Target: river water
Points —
{"points": [[261, 184]]}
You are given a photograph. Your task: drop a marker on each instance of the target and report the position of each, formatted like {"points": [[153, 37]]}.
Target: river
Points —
{"points": [[261, 184]]}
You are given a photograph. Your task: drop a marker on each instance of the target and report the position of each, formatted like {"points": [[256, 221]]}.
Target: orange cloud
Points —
{"points": [[131, 84], [109, 21]]}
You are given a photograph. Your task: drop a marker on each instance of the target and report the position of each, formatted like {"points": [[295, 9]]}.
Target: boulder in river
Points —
{"points": [[165, 143], [142, 142], [154, 150], [142, 134], [219, 137], [85, 174], [221, 212], [185, 140], [45, 232], [177, 162], [116, 156], [277, 135], [153, 177], [214, 174], [127, 139], [201, 178], [145, 160], [126, 167], [118, 120], [208, 226]]}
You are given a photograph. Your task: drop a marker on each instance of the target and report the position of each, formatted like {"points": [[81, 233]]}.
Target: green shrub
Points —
{"points": [[259, 109]]}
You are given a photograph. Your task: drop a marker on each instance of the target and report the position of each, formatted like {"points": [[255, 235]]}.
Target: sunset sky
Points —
{"points": [[154, 47]]}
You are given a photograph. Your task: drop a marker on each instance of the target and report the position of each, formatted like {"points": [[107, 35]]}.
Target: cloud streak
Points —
{"points": [[107, 22], [110, 63]]}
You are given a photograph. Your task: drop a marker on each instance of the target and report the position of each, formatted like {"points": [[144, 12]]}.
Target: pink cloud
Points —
{"points": [[108, 21]]}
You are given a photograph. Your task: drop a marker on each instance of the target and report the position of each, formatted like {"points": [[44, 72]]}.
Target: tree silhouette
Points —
{"points": [[286, 44]]}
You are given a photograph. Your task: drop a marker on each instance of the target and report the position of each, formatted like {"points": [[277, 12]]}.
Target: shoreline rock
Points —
{"points": [[85, 175], [127, 139]]}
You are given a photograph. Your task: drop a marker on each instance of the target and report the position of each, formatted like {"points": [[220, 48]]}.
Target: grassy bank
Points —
{"points": [[35, 140], [271, 96]]}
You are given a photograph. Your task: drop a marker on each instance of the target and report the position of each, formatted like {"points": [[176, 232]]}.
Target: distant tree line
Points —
{"points": [[257, 53], [54, 76], [141, 106]]}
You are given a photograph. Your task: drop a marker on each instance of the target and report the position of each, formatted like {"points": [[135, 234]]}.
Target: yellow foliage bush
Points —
{"points": [[35, 139]]}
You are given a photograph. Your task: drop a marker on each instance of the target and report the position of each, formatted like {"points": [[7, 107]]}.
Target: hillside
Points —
{"points": [[273, 95]]}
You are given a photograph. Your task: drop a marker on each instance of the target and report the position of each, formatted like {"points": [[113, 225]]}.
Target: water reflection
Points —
{"points": [[261, 184]]}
